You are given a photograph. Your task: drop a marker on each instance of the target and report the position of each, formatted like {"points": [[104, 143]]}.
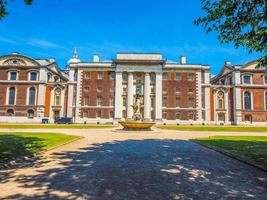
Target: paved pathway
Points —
{"points": [[110, 165]]}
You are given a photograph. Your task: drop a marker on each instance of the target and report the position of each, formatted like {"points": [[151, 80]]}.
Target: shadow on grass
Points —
{"points": [[14, 146], [145, 169], [251, 151]]}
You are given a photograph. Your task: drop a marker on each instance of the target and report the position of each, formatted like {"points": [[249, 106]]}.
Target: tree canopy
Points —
{"points": [[3, 5], [243, 22]]}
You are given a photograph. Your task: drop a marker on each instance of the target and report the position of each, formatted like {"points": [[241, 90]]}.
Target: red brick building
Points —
{"points": [[31, 89]]}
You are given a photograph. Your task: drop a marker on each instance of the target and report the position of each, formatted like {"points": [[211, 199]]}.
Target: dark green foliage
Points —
{"points": [[3, 4], [243, 22]]}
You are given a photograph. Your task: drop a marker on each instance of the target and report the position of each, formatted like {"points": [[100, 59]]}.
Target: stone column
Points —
{"points": [[147, 100], [118, 96], [158, 100], [130, 96], [199, 96]]}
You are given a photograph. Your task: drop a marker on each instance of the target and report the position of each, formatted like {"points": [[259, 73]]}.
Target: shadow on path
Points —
{"points": [[146, 169]]}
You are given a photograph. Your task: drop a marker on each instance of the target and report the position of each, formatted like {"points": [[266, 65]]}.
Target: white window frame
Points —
{"points": [[9, 75], [250, 79], [251, 100], [29, 75], [28, 96], [7, 95]]}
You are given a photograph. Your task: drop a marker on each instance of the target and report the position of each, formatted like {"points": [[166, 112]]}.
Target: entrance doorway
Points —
{"points": [[56, 114]]}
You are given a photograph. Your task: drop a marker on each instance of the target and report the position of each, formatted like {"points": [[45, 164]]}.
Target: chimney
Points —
{"points": [[227, 62], [96, 58], [183, 60]]}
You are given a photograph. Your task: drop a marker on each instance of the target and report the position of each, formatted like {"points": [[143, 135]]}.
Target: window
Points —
{"points": [[164, 90], [124, 89], [30, 114], [111, 114], [86, 101], [265, 80], [191, 116], [32, 93], [178, 102], [87, 75], [57, 97], [164, 102], [178, 115], [164, 115], [12, 96], [247, 100], [98, 114], [111, 101], [124, 77], [178, 77], [230, 81], [99, 101], [49, 77], [99, 89], [100, 76], [85, 114], [86, 89], [113, 75], [178, 90], [191, 102], [190, 90], [13, 76], [152, 90], [56, 79], [220, 97], [153, 77], [33, 76], [10, 112], [248, 118], [190, 77], [247, 79], [164, 75]]}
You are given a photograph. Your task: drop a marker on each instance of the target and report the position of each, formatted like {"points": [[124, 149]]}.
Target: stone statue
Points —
{"points": [[137, 108]]}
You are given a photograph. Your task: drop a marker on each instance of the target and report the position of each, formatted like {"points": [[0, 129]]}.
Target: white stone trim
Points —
{"points": [[118, 96], [130, 91], [199, 96], [158, 97]]}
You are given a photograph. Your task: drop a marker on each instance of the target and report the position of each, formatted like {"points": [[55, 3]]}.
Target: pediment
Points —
{"points": [[17, 60]]}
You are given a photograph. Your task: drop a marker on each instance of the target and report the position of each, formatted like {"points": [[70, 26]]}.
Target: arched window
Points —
{"points": [[30, 114], [220, 97], [57, 97], [12, 96], [247, 100], [10, 112], [32, 93]]}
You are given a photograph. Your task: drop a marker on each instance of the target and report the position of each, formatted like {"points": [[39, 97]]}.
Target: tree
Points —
{"points": [[3, 4], [243, 22]]}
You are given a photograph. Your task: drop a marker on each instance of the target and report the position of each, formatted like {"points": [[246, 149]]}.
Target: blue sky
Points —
{"points": [[53, 28]]}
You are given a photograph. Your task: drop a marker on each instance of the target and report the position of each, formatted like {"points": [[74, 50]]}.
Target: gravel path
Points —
{"points": [[110, 165]]}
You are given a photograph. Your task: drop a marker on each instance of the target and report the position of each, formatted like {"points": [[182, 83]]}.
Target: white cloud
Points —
{"points": [[42, 43], [6, 40]]}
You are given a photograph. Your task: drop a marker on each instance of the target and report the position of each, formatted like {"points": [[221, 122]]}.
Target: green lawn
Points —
{"points": [[15, 145], [215, 128], [252, 149], [55, 126]]}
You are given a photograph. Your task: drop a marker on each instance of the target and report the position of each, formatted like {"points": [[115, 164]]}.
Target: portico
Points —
{"points": [[142, 75]]}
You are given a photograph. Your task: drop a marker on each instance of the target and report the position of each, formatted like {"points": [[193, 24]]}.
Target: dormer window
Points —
{"points": [[247, 79], [13, 76], [33, 76]]}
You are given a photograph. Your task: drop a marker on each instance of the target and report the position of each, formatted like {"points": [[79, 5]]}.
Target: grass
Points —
{"points": [[252, 149], [215, 128], [55, 126], [15, 145]]}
